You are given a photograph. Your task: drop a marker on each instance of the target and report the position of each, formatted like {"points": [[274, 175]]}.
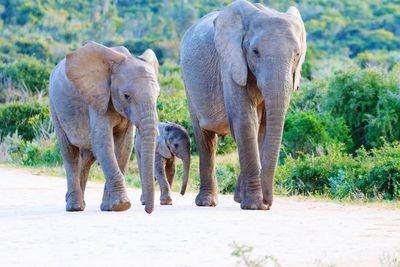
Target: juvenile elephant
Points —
{"points": [[240, 66], [173, 142], [97, 97]]}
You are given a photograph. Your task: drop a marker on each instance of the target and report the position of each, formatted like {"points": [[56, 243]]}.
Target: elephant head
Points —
{"points": [[105, 75], [175, 141], [253, 41]]}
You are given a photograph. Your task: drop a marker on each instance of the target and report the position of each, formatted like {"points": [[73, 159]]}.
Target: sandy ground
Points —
{"points": [[35, 230]]}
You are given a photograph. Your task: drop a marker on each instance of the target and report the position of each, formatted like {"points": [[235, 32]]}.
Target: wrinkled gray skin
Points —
{"points": [[240, 66], [173, 142], [97, 97]]}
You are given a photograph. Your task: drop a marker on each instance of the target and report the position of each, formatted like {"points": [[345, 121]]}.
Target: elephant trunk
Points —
{"points": [[186, 168], [148, 133], [277, 89]]}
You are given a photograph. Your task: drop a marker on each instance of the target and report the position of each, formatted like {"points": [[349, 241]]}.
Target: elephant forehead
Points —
{"points": [[137, 69]]}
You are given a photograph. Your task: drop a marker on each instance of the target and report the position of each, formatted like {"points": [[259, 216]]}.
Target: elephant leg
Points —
{"points": [[261, 136], [70, 154], [170, 170], [85, 162], [244, 126], [160, 172], [123, 145], [262, 121], [115, 197], [206, 145]]}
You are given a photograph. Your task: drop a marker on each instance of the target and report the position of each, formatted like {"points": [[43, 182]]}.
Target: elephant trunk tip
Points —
{"points": [[183, 190]]}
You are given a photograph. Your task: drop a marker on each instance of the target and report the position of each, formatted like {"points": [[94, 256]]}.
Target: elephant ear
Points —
{"points": [[150, 57], [303, 47], [228, 39], [89, 68], [162, 147]]}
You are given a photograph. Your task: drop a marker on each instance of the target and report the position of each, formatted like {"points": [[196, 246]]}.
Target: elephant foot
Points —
{"points": [[165, 200], [121, 206], [120, 202], [253, 202], [206, 199], [268, 198], [236, 197], [75, 207], [74, 202], [142, 200]]}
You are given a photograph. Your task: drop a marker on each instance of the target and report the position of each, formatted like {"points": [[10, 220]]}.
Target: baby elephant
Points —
{"points": [[173, 142]]}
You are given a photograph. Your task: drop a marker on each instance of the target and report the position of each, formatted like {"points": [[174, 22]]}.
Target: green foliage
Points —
{"points": [[28, 74], [38, 152], [245, 257], [307, 131], [310, 174], [227, 176], [34, 46], [368, 101], [24, 118], [337, 174]]}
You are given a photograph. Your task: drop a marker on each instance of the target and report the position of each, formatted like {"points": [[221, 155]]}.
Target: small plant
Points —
{"points": [[389, 261], [245, 257]]}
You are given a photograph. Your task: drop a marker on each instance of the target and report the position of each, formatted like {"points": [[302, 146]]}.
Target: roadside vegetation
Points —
{"points": [[342, 129]]}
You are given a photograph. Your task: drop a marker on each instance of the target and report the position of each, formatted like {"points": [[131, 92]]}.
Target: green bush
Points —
{"points": [[34, 46], [227, 176], [369, 175], [307, 132], [381, 177], [43, 151], [309, 175], [24, 118], [28, 73], [368, 101]]}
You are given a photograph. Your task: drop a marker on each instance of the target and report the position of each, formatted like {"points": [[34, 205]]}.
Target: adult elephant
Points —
{"points": [[240, 66], [97, 97]]}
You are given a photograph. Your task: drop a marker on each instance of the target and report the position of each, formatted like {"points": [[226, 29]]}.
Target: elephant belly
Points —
{"points": [[200, 68]]}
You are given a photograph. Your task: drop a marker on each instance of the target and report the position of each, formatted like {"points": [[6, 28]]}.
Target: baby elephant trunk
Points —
{"points": [[186, 167]]}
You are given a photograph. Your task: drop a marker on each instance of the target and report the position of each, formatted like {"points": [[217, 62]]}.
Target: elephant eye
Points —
{"points": [[176, 145], [127, 96], [256, 52]]}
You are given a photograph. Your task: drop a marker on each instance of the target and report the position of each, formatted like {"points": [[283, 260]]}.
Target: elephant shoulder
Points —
{"points": [[59, 81], [201, 31]]}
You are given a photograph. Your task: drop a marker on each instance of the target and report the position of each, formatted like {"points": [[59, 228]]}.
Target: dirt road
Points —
{"points": [[36, 231]]}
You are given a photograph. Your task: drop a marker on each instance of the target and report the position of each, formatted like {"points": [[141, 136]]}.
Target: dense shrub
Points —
{"points": [[34, 46], [227, 176], [374, 174], [381, 177], [307, 132], [42, 151], [28, 73], [368, 101], [24, 118], [309, 175]]}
